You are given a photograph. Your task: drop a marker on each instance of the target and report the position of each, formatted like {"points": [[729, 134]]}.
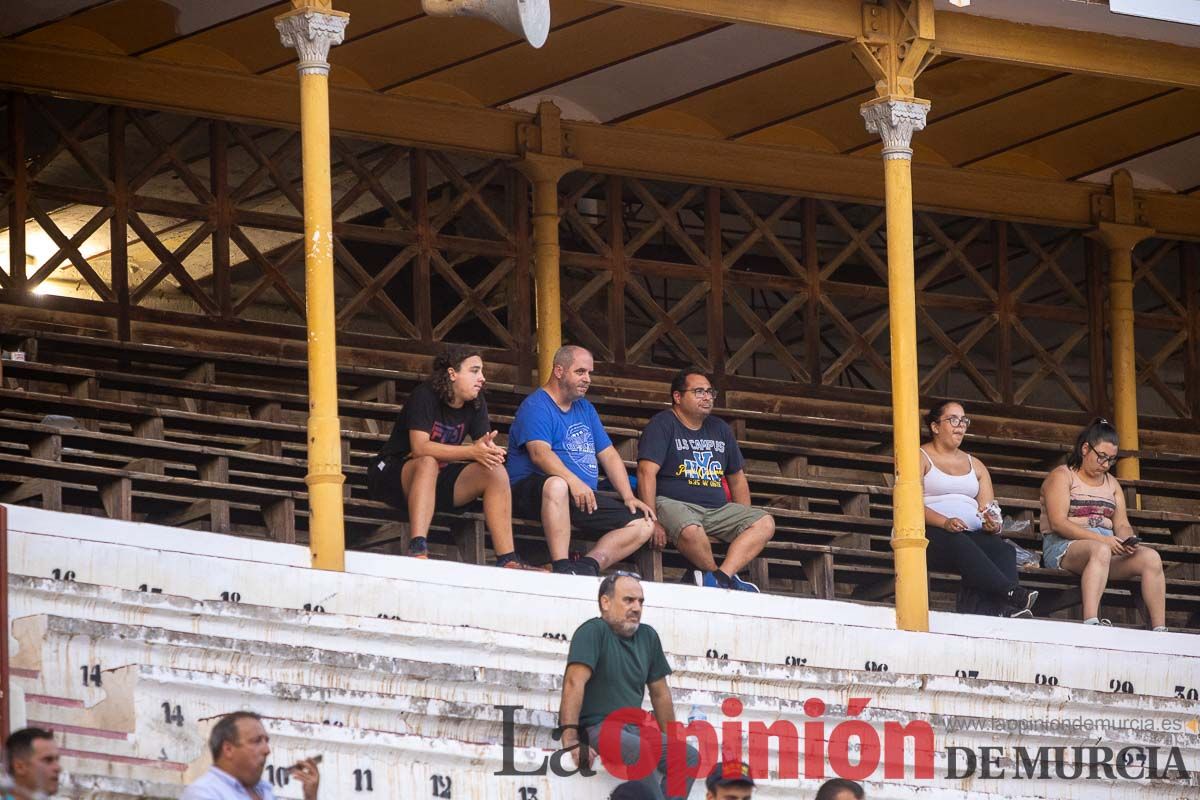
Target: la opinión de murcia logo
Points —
{"points": [[852, 749]]}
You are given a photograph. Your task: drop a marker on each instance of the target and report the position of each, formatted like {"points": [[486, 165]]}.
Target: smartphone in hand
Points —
{"points": [[1131, 541]]}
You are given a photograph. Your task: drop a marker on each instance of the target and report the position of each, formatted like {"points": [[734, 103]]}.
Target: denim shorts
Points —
{"points": [[1054, 547]]}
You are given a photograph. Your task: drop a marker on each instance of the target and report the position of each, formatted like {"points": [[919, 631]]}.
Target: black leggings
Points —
{"points": [[987, 564]]}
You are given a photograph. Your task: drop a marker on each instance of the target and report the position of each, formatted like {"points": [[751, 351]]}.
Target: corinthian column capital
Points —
{"points": [[895, 120], [312, 33]]}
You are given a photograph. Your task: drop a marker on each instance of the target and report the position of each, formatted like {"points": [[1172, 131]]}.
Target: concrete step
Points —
{"points": [[148, 744], [438, 645], [690, 620], [147, 706], [416, 695]]}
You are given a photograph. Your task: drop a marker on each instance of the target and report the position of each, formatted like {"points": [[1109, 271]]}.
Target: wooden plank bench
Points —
{"points": [[864, 506], [264, 402], [115, 488]]}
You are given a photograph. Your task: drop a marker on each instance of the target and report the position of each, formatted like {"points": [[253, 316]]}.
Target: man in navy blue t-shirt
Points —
{"points": [[687, 459], [556, 449]]}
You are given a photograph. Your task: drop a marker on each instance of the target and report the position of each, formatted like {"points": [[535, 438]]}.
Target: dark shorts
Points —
{"points": [[383, 483], [610, 514]]}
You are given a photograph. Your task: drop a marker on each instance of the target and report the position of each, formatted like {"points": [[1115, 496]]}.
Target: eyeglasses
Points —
{"points": [[1103, 460], [957, 421], [620, 573], [701, 391]]}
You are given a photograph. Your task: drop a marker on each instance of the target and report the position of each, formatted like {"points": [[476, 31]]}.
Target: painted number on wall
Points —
{"points": [[362, 781], [175, 715], [91, 674], [441, 785], [278, 776]]}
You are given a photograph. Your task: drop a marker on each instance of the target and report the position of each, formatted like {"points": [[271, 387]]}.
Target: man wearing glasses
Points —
{"points": [[613, 660], [687, 459]]}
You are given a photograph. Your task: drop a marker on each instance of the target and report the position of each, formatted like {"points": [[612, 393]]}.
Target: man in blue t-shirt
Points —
{"points": [[556, 449], [686, 459]]}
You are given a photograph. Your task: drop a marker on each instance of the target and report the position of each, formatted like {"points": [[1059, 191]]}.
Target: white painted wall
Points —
{"points": [[415, 696]]}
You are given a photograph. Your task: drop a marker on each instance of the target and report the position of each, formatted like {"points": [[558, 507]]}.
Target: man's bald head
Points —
{"points": [[565, 356], [572, 373]]}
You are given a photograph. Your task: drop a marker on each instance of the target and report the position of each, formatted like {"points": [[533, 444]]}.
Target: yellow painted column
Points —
{"points": [[895, 120], [1120, 240], [312, 28], [544, 172]]}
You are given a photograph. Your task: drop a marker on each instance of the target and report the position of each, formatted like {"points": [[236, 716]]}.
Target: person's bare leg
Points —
{"points": [[1147, 565], [748, 544], [1090, 561], [419, 480], [693, 544], [492, 485], [616, 545], [556, 517]]}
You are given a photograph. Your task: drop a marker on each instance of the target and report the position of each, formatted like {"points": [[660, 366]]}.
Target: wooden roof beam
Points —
{"points": [[971, 37], [395, 118]]}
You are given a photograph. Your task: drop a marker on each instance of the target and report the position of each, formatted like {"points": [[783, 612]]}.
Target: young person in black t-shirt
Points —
{"points": [[427, 465], [687, 459]]}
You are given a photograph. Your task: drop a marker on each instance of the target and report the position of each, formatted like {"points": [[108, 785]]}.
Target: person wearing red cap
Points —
{"points": [[729, 781]]}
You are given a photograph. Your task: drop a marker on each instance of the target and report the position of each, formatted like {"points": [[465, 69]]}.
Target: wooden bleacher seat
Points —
{"points": [[154, 418]]}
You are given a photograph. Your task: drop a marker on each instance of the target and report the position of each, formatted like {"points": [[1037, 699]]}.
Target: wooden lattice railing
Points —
{"points": [[150, 217]]}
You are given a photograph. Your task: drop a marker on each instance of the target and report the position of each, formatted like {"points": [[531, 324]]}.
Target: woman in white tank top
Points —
{"points": [[962, 539]]}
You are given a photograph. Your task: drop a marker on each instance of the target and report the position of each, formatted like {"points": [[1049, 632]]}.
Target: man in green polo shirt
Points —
{"points": [[613, 659]]}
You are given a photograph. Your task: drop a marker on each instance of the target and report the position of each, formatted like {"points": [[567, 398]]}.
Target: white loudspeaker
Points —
{"points": [[527, 18]]}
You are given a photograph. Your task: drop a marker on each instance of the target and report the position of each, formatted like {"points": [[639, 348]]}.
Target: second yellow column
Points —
{"points": [[895, 120]]}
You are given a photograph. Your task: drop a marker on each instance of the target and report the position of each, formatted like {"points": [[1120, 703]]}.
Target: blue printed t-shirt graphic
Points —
{"points": [[575, 436], [691, 464]]}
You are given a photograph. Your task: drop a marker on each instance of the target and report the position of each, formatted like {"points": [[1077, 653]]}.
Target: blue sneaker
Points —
{"points": [[706, 579], [740, 585]]}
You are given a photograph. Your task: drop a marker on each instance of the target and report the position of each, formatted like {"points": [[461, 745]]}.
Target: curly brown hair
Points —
{"points": [[451, 359]]}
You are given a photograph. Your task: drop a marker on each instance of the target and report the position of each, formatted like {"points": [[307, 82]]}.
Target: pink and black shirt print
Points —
{"points": [[447, 434], [1093, 506]]}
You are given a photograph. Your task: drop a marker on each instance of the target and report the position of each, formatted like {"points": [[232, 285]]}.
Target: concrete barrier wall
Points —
{"points": [[181, 626]]}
